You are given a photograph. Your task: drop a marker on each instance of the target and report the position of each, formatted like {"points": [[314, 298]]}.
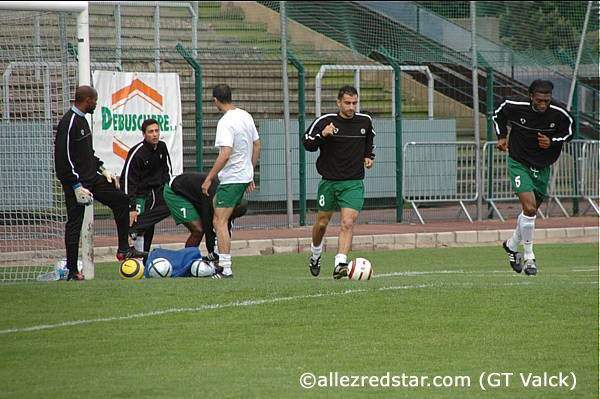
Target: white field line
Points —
{"points": [[423, 273], [202, 308], [274, 300]]}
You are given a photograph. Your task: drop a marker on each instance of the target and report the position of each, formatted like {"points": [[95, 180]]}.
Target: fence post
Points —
{"points": [[157, 37], [490, 135], [577, 152], [286, 114], [398, 122], [118, 39], [199, 117], [301, 153]]}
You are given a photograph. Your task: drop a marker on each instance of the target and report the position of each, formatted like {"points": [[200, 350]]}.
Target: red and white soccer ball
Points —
{"points": [[360, 269]]}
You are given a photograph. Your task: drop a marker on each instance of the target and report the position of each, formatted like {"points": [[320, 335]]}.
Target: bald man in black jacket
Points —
{"points": [[84, 178]]}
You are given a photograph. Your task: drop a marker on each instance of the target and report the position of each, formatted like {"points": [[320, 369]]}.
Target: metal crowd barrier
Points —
{"points": [[565, 179], [436, 172], [497, 182], [574, 175], [590, 176]]}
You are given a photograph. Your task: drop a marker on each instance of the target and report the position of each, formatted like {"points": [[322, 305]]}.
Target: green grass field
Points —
{"points": [[429, 312]]}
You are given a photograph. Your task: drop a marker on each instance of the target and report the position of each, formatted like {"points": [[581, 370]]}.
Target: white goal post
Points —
{"points": [[80, 8], [358, 68]]}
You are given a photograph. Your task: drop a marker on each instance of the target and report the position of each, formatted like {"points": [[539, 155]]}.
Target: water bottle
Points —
{"points": [[50, 276]]}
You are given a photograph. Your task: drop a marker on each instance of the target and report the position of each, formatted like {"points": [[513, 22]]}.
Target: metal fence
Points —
{"points": [[590, 178], [573, 176], [237, 43], [440, 172]]}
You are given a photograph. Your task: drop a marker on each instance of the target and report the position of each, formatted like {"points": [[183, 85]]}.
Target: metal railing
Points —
{"points": [[590, 176], [574, 175], [436, 172], [192, 9]]}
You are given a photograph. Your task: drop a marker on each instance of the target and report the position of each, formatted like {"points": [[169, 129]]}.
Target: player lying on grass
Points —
{"points": [[182, 261]]}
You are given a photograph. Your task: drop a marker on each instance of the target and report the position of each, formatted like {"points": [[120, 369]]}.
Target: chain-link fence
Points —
{"points": [[38, 81], [238, 43]]}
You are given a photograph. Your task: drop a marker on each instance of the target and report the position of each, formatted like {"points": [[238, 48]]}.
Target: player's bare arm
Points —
{"points": [[255, 156], [224, 153]]}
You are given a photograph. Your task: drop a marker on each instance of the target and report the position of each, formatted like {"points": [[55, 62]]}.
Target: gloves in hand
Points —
{"points": [[109, 176], [83, 195]]}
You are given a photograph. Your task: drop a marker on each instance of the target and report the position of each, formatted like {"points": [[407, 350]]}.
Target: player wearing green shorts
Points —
{"points": [[345, 144], [539, 129], [189, 206], [239, 149]]}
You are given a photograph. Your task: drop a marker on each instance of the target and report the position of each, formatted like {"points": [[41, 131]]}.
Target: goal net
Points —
{"points": [[39, 74]]}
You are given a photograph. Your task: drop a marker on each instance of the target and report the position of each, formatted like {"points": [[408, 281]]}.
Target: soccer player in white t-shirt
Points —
{"points": [[239, 149]]}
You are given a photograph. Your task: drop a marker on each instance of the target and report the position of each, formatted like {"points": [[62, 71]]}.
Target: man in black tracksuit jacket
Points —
{"points": [[147, 169], [345, 141], [539, 128], [84, 178]]}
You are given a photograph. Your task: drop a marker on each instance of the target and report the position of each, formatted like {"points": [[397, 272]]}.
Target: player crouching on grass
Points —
{"points": [[538, 131], [189, 206]]}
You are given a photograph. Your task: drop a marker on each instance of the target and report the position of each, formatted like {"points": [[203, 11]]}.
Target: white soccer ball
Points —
{"points": [[360, 269], [160, 267], [202, 269]]}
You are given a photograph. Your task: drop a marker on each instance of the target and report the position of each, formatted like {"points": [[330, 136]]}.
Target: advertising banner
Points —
{"points": [[125, 100]]}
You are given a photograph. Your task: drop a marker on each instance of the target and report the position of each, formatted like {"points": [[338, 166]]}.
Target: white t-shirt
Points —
{"points": [[236, 130]]}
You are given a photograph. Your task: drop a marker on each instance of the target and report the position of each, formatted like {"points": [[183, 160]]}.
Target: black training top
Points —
{"points": [[189, 186], [555, 122], [342, 154], [74, 158], [145, 169]]}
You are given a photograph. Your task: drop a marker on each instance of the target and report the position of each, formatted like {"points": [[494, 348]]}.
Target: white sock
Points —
{"points": [[515, 240], [138, 243], [316, 251], [340, 258], [225, 263], [527, 227]]}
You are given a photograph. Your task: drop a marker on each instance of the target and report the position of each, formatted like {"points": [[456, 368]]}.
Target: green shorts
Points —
{"points": [[181, 209], [333, 195], [140, 205], [526, 180], [229, 195]]}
